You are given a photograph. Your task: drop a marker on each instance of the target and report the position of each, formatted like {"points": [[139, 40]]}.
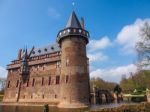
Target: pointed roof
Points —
{"points": [[73, 21]]}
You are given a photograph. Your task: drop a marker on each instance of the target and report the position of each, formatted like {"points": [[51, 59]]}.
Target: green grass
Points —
{"points": [[1, 97]]}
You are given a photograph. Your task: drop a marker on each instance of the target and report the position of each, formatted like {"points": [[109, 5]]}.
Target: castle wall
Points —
{"points": [[53, 74], [41, 85]]}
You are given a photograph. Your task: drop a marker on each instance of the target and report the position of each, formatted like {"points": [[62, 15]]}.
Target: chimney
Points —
{"points": [[82, 22], [19, 54]]}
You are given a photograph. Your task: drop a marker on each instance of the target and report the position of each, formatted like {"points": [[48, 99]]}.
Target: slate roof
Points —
{"points": [[73, 21], [44, 50]]}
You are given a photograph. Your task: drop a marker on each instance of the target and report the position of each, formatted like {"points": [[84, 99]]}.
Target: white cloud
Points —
{"points": [[129, 35], [53, 13], [99, 44], [3, 72], [114, 74], [97, 56]]}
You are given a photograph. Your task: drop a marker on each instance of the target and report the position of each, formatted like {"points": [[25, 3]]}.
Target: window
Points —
{"points": [[39, 51], [28, 83], [67, 79], [49, 81], [57, 79], [42, 81], [17, 83], [68, 30], [52, 48], [67, 62], [33, 82], [57, 64], [80, 30], [8, 85], [55, 96], [74, 30], [45, 49]]}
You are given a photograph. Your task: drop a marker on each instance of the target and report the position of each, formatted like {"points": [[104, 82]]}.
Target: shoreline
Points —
{"points": [[25, 104]]}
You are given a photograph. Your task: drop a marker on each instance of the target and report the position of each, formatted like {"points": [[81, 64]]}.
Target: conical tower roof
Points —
{"points": [[73, 29], [73, 21]]}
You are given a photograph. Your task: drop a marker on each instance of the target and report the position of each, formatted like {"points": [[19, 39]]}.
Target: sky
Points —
{"points": [[113, 25]]}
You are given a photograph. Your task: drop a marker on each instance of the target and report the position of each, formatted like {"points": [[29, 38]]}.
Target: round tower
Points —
{"points": [[75, 87]]}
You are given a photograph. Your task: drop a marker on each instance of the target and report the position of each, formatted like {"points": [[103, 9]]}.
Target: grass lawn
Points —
{"points": [[1, 97]]}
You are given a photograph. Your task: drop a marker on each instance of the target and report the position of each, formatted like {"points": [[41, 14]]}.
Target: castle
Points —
{"points": [[56, 74]]}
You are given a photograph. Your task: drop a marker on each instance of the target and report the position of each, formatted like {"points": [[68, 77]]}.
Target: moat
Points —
{"points": [[128, 107], [7, 108]]}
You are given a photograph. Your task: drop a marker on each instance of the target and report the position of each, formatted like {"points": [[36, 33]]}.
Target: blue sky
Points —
{"points": [[113, 25]]}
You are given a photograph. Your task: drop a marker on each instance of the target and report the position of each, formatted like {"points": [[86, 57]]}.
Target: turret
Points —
{"points": [[75, 89], [73, 28]]}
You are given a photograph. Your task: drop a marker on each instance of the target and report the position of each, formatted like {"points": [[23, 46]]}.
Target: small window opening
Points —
{"points": [[42, 81], [67, 78], [33, 82], [55, 96], [57, 79], [28, 83], [49, 82], [8, 85], [67, 62], [17, 83]]}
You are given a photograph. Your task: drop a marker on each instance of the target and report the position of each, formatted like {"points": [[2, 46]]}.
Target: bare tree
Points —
{"points": [[2, 85], [143, 46]]}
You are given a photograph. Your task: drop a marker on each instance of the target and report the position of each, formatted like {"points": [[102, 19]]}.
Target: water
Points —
{"points": [[132, 106], [6, 108]]}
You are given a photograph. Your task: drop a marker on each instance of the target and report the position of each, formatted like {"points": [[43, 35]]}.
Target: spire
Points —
{"points": [[26, 53], [73, 21]]}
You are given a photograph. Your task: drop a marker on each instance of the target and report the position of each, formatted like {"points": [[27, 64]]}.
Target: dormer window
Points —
{"points": [[39, 51], [64, 32], [60, 33], [52, 48], [45, 50]]}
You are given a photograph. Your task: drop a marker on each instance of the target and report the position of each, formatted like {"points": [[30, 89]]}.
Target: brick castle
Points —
{"points": [[55, 74]]}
